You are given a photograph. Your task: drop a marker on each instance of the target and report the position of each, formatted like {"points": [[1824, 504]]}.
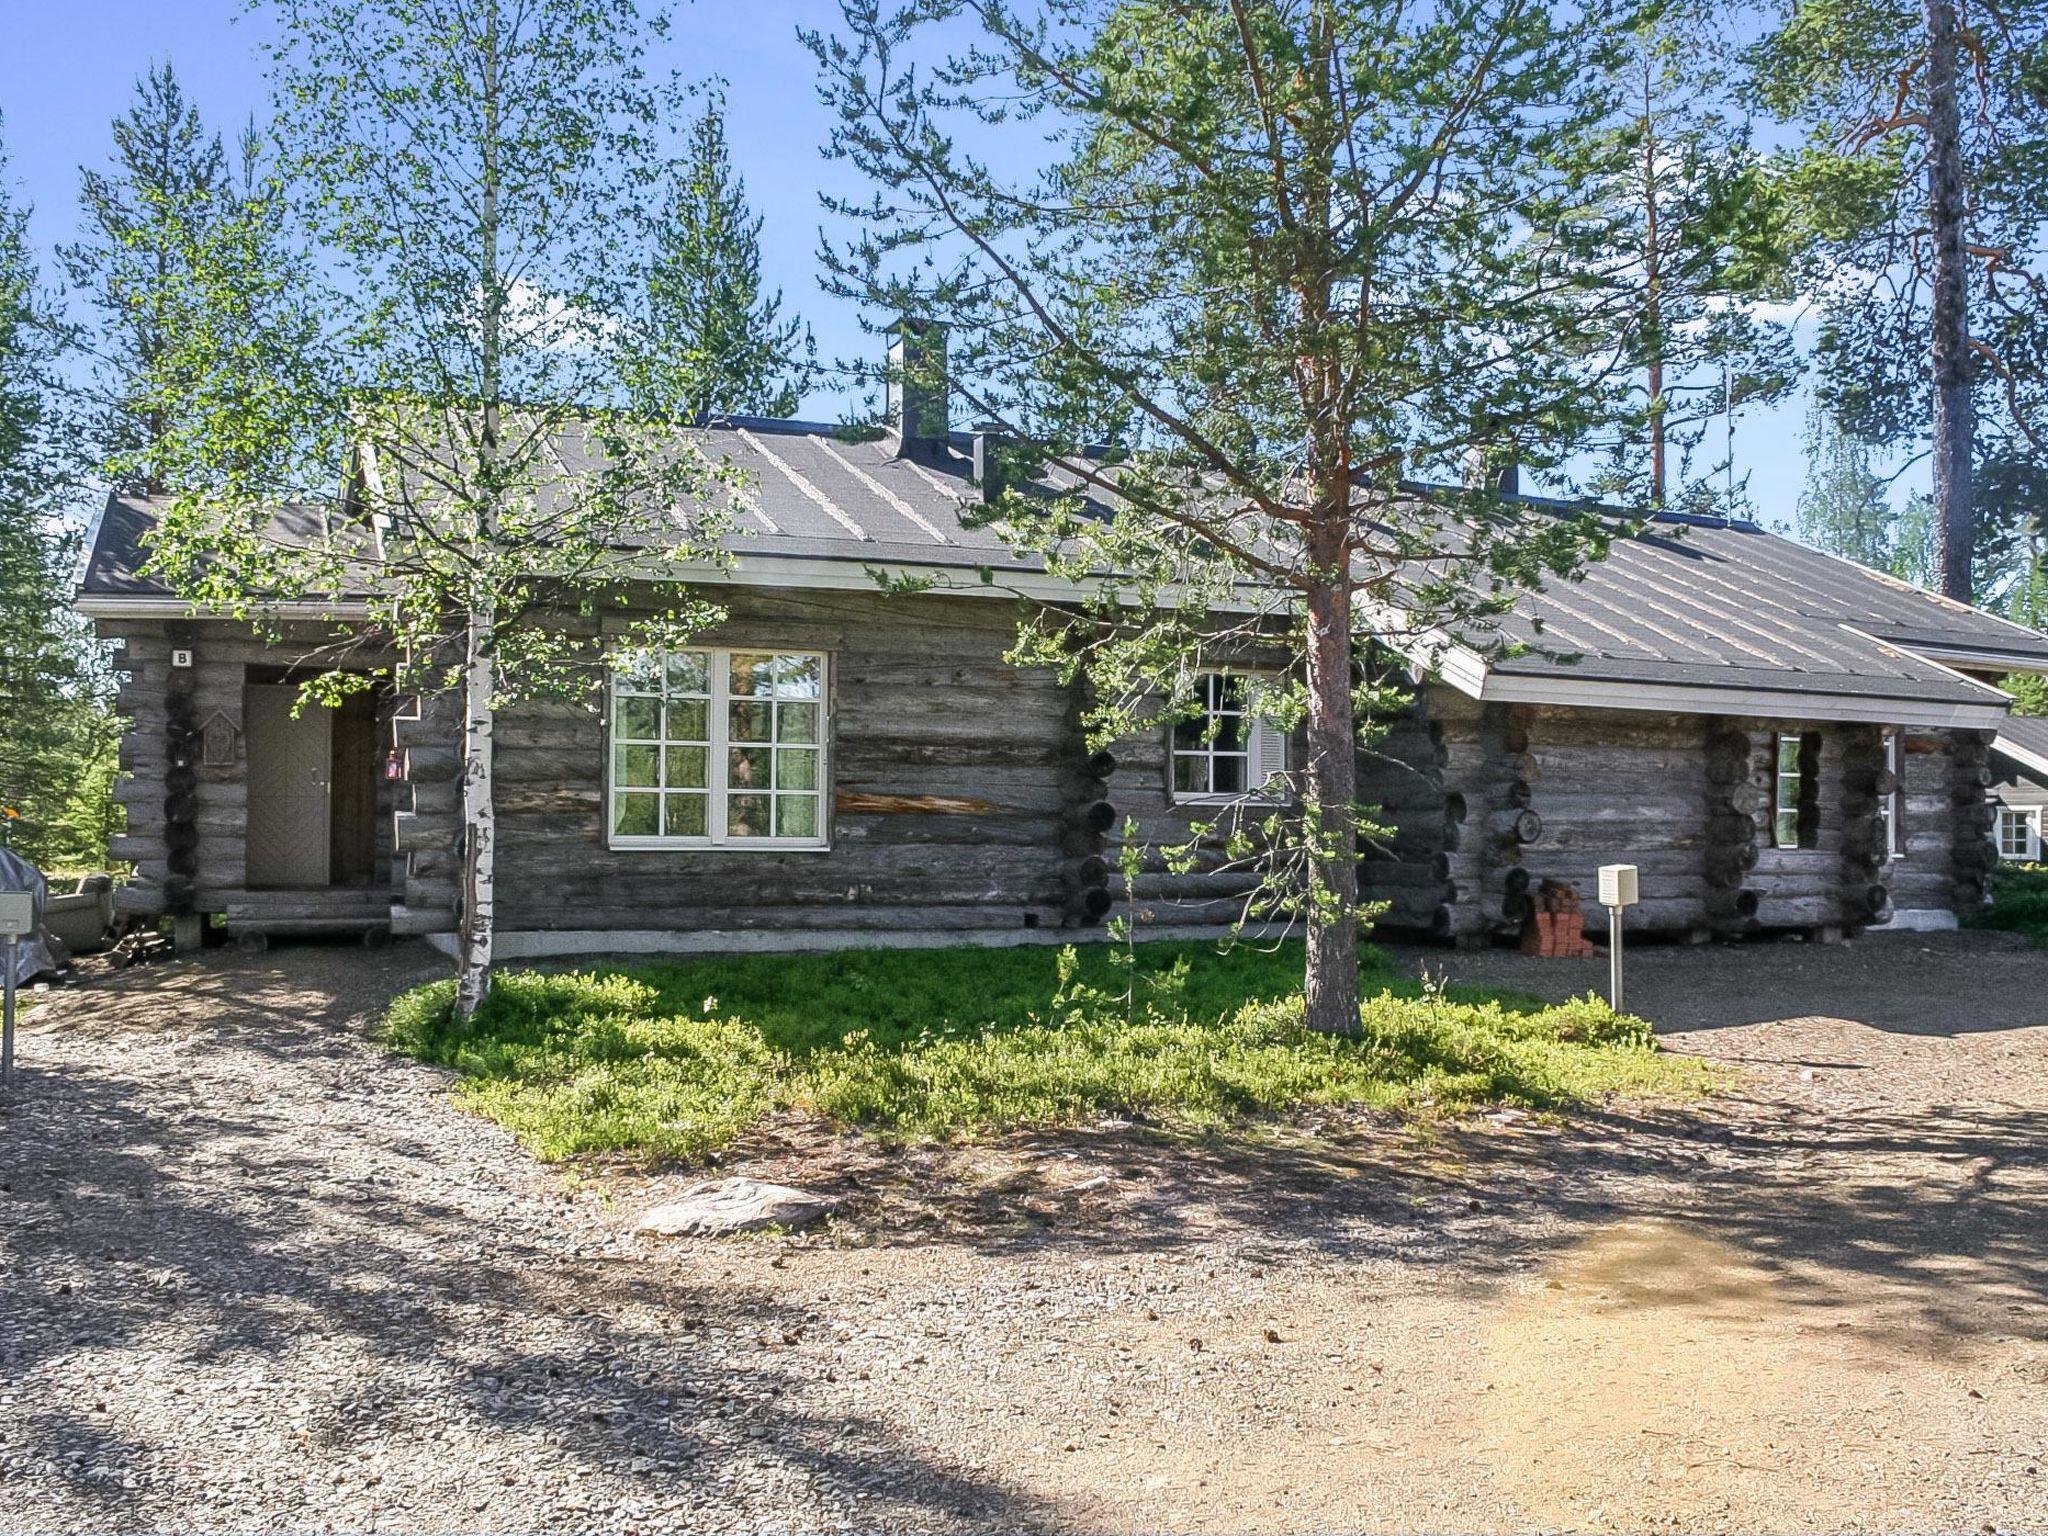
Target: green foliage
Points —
{"points": [[1702, 225], [1243, 275], [2019, 903], [166, 194], [1845, 507], [2029, 692], [454, 255], [57, 736], [1851, 75], [678, 1060], [724, 335]]}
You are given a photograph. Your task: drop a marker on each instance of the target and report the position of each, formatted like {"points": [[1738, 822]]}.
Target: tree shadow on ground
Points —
{"points": [[1936, 1211], [196, 1232]]}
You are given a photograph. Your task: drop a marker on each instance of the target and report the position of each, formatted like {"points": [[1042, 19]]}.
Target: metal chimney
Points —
{"points": [[915, 393]]}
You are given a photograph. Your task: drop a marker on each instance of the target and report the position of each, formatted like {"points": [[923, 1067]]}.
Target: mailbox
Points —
{"points": [[17, 914], [1618, 885]]}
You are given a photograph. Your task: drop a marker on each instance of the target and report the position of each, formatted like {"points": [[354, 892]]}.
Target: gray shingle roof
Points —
{"points": [[1690, 603], [1710, 604], [2022, 745]]}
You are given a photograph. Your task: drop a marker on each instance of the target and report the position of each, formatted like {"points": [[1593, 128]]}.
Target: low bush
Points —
{"points": [[2019, 902], [678, 1060]]}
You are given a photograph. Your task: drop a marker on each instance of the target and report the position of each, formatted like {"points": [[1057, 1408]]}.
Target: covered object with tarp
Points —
{"points": [[32, 956]]}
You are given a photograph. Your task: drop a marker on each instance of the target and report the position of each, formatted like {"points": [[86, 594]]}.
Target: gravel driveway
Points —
{"points": [[256, 1275]]}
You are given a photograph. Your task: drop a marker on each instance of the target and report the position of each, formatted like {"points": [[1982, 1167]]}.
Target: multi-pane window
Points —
{"points": [[2015, 833], [1795, 799], [718, 747], [1225, 750]]}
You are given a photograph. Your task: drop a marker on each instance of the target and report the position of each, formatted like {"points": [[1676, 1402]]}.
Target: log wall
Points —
{"points": [[186, 811], [962, 798]]}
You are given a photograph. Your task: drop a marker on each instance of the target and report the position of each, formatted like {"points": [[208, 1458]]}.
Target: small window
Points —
{"points": [[718, 748], [1795, 803], [1891, 808], [1225, 751], [2015, 833]]}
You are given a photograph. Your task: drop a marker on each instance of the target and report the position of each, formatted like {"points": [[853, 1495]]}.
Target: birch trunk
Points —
{"points": [[479, 801], [1955, 425], [479, 821]]}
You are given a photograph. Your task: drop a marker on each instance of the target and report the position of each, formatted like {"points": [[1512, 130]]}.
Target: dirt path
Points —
{"points": [[255, 1275]]}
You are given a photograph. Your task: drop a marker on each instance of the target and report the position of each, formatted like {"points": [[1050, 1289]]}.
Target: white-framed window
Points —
{"points": [[1789, 792], [1891, 808], [1224, 751], [2017, 835], [715, 747]]}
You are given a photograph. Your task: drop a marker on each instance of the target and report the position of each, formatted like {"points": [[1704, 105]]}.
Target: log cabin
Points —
{"points": [[2019, 760], [1779, 739]]}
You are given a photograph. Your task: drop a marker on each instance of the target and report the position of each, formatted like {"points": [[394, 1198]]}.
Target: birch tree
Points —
{"points": [[475, 183], [1285, 257]]}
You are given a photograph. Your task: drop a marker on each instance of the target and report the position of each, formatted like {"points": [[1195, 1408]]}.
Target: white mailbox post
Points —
{"points": [[1618, 889], [17, 921]]}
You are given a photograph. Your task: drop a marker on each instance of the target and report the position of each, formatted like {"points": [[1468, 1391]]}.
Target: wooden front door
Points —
{"points": [[290, 763]]}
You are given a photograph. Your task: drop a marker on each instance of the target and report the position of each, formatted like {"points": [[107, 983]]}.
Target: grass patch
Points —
{"points": [[2019, 903], [677, 1060]]}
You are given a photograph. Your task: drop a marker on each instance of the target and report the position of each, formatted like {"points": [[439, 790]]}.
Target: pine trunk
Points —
{"points": [[479, 822], [1331, 985], [1955, 515]]}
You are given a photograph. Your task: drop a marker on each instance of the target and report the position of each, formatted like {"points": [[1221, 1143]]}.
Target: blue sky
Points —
{"points": [[66, 69]]}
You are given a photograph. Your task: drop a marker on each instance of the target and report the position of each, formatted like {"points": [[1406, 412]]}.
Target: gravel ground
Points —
{"points": [[256, 1275]]}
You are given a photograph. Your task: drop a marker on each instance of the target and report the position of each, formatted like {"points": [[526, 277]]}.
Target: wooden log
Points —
{"points": [[1515, 826], [1454, 809], [431, 764], [1799, 911], [1092, 905], [849, 802], [1087, 873]]}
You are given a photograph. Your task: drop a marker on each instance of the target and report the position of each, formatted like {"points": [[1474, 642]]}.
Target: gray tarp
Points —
{"points": [[17, 874]]}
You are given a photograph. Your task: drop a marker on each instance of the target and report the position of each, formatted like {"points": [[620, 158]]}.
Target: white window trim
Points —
{"points": [[1257, 731], [1894, 814], [718, 725], [2030, 822], [1779, 777]]}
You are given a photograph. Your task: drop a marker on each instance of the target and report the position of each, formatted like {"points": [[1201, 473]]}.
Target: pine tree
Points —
{"points": [[1306, 253], [169, 183], [56, 733], [1919, 186], [1844, 508], [705, 297], [1705, 221]]}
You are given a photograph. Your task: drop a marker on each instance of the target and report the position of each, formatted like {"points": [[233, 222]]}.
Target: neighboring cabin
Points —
{"points": [[1778, 738], [2020, 759]]}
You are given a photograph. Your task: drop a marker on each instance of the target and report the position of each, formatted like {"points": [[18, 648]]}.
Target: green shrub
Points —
{"points": [[678, 1060], [2019, 903]]}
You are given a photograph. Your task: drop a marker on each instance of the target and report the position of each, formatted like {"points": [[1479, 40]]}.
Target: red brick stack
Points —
{"points": [[1555, 929]]}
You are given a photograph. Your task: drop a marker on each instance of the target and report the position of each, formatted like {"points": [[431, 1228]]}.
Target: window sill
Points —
{"points": [[1249, 797], [705, 845]]}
